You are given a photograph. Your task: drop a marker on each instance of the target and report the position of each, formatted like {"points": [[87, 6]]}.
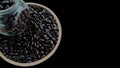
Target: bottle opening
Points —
{"points": [[6, 4]]}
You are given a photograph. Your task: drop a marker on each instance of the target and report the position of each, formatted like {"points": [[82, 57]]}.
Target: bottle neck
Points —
{"points": [[15, 7], [10, 9]]}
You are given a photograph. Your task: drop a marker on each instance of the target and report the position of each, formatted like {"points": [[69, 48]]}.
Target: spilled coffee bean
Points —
{"points": [[36, 41]]}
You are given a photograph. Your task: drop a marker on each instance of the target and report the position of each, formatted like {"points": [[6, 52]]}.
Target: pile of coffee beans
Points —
{"points": [[4, 4], [36, 41], [13, 26]]}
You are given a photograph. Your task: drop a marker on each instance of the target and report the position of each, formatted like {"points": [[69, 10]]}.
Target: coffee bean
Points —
{"points": [[1, 7]]}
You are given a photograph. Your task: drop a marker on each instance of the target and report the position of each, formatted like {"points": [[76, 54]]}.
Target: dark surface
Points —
{"points": [[58, 59]]}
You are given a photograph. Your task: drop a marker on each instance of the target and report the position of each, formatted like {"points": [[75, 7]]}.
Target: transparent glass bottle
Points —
{"points": [[12, 21]]}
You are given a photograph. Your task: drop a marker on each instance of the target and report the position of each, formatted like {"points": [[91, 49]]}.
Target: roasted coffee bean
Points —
{"points": [[36, 41], [1, 7]]}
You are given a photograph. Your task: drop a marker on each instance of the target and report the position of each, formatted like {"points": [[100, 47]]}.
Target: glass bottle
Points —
{"points": [[13, 19]]}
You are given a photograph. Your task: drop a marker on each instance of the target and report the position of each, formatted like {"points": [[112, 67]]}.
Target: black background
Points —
{"points": [[58, 59]]}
